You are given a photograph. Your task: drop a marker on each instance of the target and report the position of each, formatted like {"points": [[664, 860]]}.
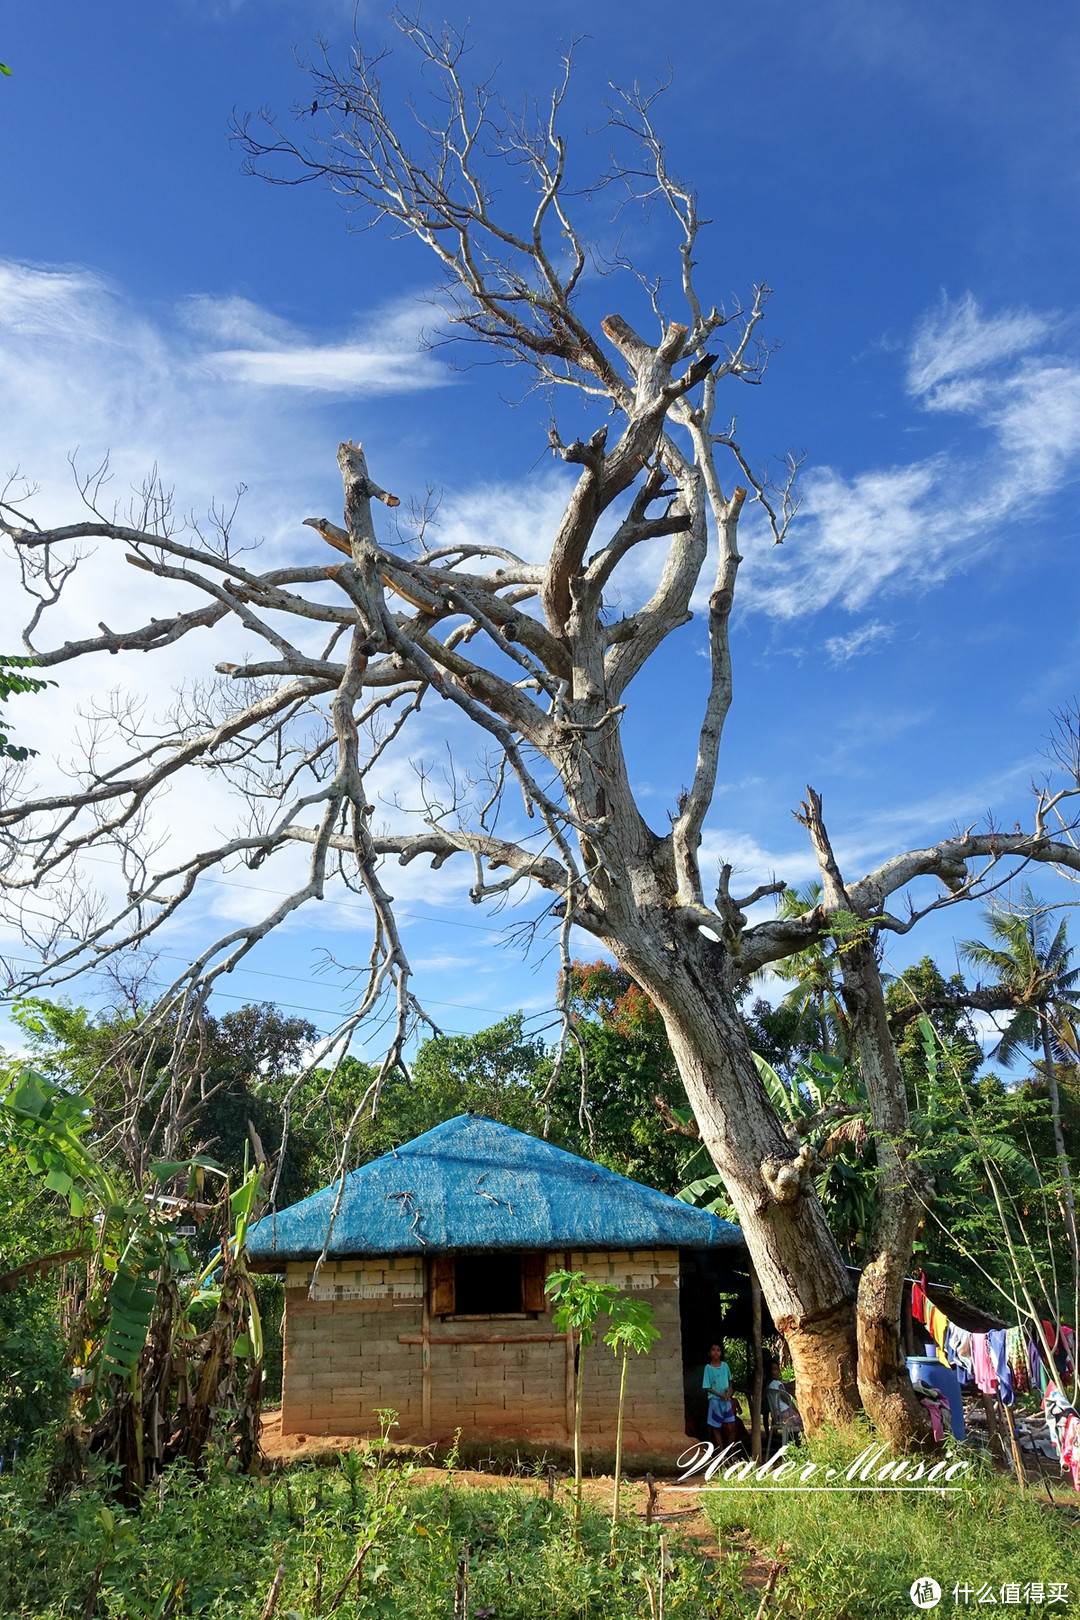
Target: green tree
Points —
{"points": [[814, 1001], [633, 1089], [34, 1379], [499, 1072], [578, 1301], [924, 988], [1032, 962], [633, 1328], [232, 1081]]}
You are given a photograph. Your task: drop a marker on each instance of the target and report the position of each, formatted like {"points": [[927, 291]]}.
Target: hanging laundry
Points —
{"points": [[1061, 1421], [1016, 1354], [958, 1353], [1061, 1344], [1037, 1370], [938, 1324], [1005, 1362], [995, 1344], [918, 1299], [985, 1376], [1070, 1450]]}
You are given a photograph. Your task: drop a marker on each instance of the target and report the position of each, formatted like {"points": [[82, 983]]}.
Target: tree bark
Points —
{"points": [[770, 1181], [884, 1385]]}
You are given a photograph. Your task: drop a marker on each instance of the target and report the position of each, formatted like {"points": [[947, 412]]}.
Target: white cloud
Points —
{"points": [[86, 368], [959, 340], [520, 517], [842, 648], [383, 356], [751, 862], [908, 527]]}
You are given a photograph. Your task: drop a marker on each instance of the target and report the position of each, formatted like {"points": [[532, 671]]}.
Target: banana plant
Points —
{"points": [[136, 1340], [823, 1104]]}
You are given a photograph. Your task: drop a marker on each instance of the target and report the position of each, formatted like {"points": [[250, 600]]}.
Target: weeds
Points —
{"points": [[365, 1539]]}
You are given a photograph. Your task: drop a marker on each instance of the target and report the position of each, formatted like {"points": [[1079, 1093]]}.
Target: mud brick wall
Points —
{"points": [[344, 1359]]}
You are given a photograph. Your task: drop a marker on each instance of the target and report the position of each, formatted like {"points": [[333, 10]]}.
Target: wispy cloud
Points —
{"points": [[207, 393], [958, 340], [382, 356], [87, 369], [843, 648], [906, 527]]}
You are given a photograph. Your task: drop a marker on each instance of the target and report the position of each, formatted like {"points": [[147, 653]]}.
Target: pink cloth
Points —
{"points": [[937, 1423], [1070, 1451], [982, 1365]]}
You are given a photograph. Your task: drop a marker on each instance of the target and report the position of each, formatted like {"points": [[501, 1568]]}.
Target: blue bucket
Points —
{"points": [[929, 1370]]}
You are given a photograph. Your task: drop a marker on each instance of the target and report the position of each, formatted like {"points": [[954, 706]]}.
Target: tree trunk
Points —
{"points": [[884, 1384], [803, 1277]]}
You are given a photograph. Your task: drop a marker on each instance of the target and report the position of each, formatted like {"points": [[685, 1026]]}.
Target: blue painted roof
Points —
{"points": [[472, 1183]]}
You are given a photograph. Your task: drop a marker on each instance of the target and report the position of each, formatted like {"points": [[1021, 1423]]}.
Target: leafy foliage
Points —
{"points": [[213, 1549], [630, 1066], [149, 1383], [12, 681]]}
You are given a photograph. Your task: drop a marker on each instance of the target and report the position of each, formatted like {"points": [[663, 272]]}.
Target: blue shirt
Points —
{"points": [[717, 1380]]}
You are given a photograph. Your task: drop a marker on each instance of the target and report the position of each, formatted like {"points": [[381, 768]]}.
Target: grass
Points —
{"points": [[224, 1540], [854, 1557], [213, 1548]]}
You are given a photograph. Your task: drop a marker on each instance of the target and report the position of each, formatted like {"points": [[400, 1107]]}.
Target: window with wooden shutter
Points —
{"points": [[533, 1277], [443, 1292]]}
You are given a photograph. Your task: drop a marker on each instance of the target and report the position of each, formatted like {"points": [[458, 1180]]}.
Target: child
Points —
{"points": [[717, 1385], [785, 1419]]}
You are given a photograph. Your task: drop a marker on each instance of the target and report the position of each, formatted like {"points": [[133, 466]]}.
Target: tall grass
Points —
{"points": [[854, 1557], [224, 1539]]}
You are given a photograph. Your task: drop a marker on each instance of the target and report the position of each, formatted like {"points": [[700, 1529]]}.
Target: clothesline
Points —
{"points": [[1008, 1361]]}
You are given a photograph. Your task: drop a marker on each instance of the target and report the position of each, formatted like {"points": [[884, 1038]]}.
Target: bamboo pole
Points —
{"points": [[1018, 1461], [571, 1381], [755, 1394], [425, 1370]]}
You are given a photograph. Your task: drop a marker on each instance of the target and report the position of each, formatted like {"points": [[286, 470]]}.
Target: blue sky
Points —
{"points": [[905, 176]]}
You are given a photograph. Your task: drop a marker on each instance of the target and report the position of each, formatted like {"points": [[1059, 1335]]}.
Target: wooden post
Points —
{"points": [[993, 1433], [570, 1379], [425, 1354], [1018, 1461], [755, 1393]]}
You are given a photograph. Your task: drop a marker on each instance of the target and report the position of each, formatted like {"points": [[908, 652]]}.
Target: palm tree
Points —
{"points": [[815, 994], [1032, 963]]}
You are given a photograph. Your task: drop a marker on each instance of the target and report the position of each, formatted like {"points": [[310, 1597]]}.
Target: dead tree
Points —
{"points": [[523, 654]]}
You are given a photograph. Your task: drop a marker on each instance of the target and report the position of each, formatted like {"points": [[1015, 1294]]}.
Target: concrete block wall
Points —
{"points": [[344, 1361]]}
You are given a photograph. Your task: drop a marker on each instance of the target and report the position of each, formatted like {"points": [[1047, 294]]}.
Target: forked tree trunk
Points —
{"points": [[803, 1277], [884, 1384]]}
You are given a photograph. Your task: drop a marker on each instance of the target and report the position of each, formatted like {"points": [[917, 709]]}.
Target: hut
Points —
{"points": [[431, 1298]]}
